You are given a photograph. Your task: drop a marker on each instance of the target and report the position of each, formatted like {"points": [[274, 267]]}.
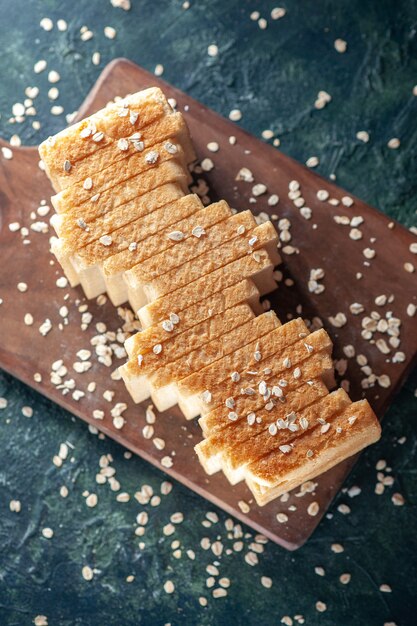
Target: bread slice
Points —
{"points": [[164, 383], [259, 269], [189, 265], [191, 259], [225, 448], [170, 128], [284, 361], [248, 449], [193, 391], [115, 121], [316, 452], [142, 290], [141, 369], [119, 219], [79, 218], [111, 178], [242, 292], [159, 246], [89, 260], [317, 365], [83, 219], [246, 358]]}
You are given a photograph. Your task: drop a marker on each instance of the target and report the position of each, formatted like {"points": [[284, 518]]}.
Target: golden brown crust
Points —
{"points": [[179, 348], [169, 128], [193, 261], [120, 221], [209, 359], [314, 367], [149, 221], [69, 145], [169, 172], [110, 178], [193, 248], [215, 305], [234, 440], [206, 286], [247, 448], [209, 262], [346, 437], [284, 353], [160, 246], [245, 358]]}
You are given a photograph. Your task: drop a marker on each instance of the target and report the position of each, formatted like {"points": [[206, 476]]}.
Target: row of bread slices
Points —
{"points": [[120, 177], [262, 389], [195, 275]]}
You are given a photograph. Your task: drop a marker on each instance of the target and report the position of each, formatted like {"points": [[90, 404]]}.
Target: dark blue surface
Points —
{"points": [[273, 77]]}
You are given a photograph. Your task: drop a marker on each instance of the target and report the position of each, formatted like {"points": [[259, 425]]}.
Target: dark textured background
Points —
{"points": [[273, 76]]}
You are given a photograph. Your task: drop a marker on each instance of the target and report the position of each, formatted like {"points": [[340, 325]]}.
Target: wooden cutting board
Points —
{"points": [[320, 243]]}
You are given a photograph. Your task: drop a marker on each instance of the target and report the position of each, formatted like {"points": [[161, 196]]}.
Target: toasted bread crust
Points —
{"points": [[248, 448], [206, 286], [345, 438], [246, 357], [235, 434], [160, 246], [242, 356], [283, 350], [110, 178], [146, 232], [191, 249], [120, 222], [180, 348], [69, 145], [169, 172], [214, 352], [169, 128], [192, 269], [217, 419], [191, 316]]}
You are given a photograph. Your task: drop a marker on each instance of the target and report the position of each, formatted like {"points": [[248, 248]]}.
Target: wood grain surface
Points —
{"points": [[320, 243]]}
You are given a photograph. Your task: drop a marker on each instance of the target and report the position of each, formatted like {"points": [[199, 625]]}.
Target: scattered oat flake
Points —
{"points": [[91, 500], [340, 45], [244, 506], [212, 50], [394, 143], [345, 579], [339, 320], [15, 506], [337, 548], [213, 146], [235, 115], [398, 499], [39, 66], [313, 509], [259, 189], [110, 32], [87, 573], [176, 235], [169, 586], [362, 135], [7, 153], [207, 165], [312, 161], [322, 195]]}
